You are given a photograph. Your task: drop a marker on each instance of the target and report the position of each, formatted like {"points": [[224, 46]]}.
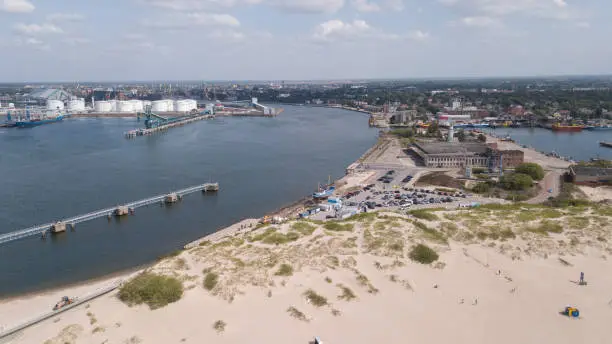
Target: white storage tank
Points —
{"points": [[113, 104], [53, 104], [137, 105], [159, 106], [103, 106], [76, 105], [125, 106], [170, 104]]}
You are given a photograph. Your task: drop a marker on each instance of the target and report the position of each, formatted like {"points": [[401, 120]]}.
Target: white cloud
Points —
{"points": [[365, 6], [189, 5], [310, 6], [227, 35], [182, 21], [214, 19], [583, 24], [17, 6], [418, 35], [35, 29], [554, 9], [64, 17], [334, 29], [480, 21]]}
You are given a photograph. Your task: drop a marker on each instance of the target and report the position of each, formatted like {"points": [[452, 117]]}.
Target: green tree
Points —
{"points": [[535, 171], [461, 135], [481, 188], [516, 181], [433, 129]]}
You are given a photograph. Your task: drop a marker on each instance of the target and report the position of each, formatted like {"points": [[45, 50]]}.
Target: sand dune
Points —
{"points": [[495, 287]]}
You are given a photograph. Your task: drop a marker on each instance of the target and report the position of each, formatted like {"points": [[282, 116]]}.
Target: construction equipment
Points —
{"points": [[571, 312], [65, 301]]}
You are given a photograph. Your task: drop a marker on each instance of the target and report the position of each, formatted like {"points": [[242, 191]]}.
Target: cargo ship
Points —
{"points": [[567, 128], [38, 119]]}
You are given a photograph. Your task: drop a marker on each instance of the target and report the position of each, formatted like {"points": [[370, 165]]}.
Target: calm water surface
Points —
{"points": [[580, 146], [64, 169]]}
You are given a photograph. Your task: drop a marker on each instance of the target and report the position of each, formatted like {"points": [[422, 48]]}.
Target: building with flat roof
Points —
{"points": [[473, 154], [590, 175]]}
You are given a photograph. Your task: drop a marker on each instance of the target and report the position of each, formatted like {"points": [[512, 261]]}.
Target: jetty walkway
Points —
{"points": [[60, 226]]}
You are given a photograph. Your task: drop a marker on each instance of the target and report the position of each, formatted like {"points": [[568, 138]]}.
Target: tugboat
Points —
{"points": [[567, 128]]}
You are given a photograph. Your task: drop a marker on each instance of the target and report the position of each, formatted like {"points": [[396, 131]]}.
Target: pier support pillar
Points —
{"points": [[121, 211], [58, 227], [171, 198]]}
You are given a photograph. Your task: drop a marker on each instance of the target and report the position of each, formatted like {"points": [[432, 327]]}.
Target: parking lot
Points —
{"points": [[392, 190]]}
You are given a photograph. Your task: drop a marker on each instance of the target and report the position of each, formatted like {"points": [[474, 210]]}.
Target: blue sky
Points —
{"points": [[114, 40]]}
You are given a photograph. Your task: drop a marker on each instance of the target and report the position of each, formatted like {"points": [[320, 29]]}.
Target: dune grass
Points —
{"points": [[347, 293], [154, 290], [315, 298], [424, 214], [284, 270], [338, 227], [294, 312], [423, 254], [303, 227], [210, 280]]}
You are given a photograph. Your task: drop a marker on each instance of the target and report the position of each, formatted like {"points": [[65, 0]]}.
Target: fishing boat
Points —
{"points": [[567, 128], [323, 192]]}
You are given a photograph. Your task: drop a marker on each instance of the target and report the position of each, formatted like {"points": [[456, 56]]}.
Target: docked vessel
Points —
{"points": [[38, 119], [567, 128], [599, 127], [323, 192]]}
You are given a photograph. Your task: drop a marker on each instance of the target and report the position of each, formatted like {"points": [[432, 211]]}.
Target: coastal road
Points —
{"points": [[552, 180]]}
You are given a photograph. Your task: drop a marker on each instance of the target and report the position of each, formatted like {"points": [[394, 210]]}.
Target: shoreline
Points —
{"points": [[230, 230]]}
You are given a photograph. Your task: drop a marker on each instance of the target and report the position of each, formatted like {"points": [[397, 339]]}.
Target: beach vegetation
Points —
{"points": [[294, 312], [303, 227], [219, 326], [423, 254], [284, 270], [210, 280], [365, 282], [347, 293], [481, 188], [338, 227], [315, 299], [423, 215], [154, 290], [336, 312], [204, 243], [546, 227], [364, 217], [98, 329], [328, 280]]}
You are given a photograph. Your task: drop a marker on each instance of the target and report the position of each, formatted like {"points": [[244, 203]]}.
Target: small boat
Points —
{"points": [[605, 144]]}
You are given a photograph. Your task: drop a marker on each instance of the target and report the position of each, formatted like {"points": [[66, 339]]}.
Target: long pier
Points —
{"points": [[60, 226]]}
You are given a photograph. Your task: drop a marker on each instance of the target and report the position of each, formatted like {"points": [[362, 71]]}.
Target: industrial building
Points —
{"points": [[458, 155], [591, 175]]}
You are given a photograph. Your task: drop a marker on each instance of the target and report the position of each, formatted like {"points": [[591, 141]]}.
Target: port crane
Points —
{"points": [[153, 120]]}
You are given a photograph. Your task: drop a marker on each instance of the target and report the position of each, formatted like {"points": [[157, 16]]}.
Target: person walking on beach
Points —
{"points": [[581, 278]]}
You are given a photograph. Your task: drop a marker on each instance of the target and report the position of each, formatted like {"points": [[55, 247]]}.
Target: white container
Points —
{"points": [[137, 105], [53, 104], [103, 106], [76, 105], [159, 106], [125, 107]]}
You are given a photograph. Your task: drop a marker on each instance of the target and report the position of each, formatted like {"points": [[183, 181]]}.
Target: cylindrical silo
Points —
{"points": [[124, 106], [76, 105], [137, 105], [159, 106], [53, 104], [103, 106]]}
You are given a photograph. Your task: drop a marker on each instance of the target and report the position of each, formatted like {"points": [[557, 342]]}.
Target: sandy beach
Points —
{"points": [[498, 279]]}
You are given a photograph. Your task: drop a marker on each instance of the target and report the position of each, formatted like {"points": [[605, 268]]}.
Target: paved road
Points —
{"points": [[552, 180]]}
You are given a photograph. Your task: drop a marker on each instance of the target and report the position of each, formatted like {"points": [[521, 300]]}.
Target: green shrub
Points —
{"points": [[507, 234], [546, 227], [535, 171], [481, 188], [516, 181], [315, 298], [423, 254], [154, 290], [210, 281], [347, 293], [284, 270]]}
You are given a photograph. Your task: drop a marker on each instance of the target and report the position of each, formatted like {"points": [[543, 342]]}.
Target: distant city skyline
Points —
{"points": [[70, 40]]}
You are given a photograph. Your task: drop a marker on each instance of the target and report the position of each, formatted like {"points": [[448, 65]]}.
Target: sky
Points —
{"points": [[120, 40]]}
